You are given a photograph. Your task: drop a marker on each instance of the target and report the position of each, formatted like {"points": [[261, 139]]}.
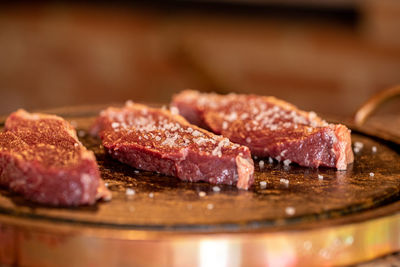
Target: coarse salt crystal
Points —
{"points": [[284, 181], [287, 162], [263, 184], [210, 206], [114, 124], [202, 194], [224, 125], [358, 145], [136, 171], [374, 149], [248, 140], [76, 145], [371, 174], [106, 184], [270, 160], [261, 164], [151, 195], [129, 192], [174, 110], [320, 177], [290, 211], [216, 189]]}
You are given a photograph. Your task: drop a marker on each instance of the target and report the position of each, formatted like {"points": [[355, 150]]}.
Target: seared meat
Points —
{"points": [[269, 127], [157, 140], [42, 159]]}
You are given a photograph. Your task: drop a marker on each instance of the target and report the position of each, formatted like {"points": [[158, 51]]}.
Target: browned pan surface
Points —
{"points": [[166, 203]]}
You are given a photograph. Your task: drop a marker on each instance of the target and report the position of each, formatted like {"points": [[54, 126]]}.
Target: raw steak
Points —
{"points": [[42, 159], [269, 127], [157, 140]]}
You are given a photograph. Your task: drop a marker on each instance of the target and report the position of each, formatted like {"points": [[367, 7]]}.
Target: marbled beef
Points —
{"points": [[269, 127], [42, 159], [157, 140]]}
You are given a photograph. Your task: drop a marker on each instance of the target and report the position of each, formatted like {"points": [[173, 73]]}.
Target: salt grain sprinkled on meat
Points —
{"points": [[202, 194], [290, 211], [263, 184], [374, 149], [224, 125], [248, 140], [261, 164], [151, 195], [216, 189], [210, 206], [371, 174], [76, 145], [287, 162], [106, 184], [129, 192], [174, 110], [320, 177]]}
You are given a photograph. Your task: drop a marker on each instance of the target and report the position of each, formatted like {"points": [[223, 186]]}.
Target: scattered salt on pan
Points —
{"points": [[261, 164], [284, 181], [358, 146], [320, 177], [216, 189], [202, 194], [290, 211], [73, 123], [374, 149], [255, 157], [151, 195], [81, 133], [287, 162], [129, 192], [263, 184], [136, 171], [371, 174], [270, 160], [210, 206]]}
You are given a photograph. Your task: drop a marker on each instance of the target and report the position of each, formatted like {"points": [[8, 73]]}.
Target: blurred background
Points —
{"points": [[327, 55]]}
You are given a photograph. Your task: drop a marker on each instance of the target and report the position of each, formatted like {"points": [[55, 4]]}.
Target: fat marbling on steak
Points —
{"points": [[156, 140], [269, 127], [42, 159]]}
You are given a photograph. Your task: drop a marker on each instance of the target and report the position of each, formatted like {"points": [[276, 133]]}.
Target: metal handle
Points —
{"points": [[372, 104]]}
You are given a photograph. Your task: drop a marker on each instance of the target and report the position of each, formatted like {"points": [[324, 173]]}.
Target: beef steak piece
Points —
{"points": [[269, 127], [42, 159], [157, 140]]}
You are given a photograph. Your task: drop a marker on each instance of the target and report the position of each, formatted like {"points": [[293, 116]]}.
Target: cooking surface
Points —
{"points": [[166, 203]]}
